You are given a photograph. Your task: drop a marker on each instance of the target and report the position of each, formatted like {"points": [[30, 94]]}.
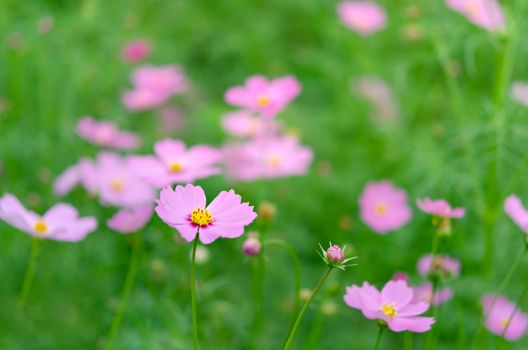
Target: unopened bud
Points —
{"points": [[252, 246]]}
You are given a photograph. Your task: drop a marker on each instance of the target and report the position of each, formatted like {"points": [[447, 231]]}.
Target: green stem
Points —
{"points": [[127, 288], [408, 341], [30, 271], [193, 292], [378, 340], [502, 286], [293, 331]]}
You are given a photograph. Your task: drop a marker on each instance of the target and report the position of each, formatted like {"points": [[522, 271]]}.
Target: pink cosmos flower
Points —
{"points": [[519, 92], [60, 223], [269, 158], [516, 211], [171, 119], [106, 134], [174, 163], [384, 207], [185, 209], [393, 305], [440, 264], [502, 316], [363, 17], [267, 97], [136, 50], [486, 14], [243, 124], [129, 220], [140, 100], [335, 254], [440, 208], [83, 173], [401, 276], [424, 292]]}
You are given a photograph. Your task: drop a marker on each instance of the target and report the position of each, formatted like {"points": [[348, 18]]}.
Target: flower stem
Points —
{"points": [[193, 293], [293, 331], [127, 288], [378, 340], [30, 271], [502, 286]]}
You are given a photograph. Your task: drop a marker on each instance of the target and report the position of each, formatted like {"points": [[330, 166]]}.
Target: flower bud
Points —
{"points": [[335, 254], [251, 246], [267, 211]]}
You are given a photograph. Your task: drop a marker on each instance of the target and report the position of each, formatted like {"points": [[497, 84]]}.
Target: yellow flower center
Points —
{"points": [[175, 167], [472, 8], [117, 185], [505, 322], [389, 310], [201, 217], [274, 160], [263, 101], [380, 208], [437, 262], [40, 227]]}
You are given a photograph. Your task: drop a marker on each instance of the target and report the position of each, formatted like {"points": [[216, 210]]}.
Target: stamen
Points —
{"points": [[117, 185], [175, 167], [380, 208], [389, 310], [263, 101], [201, 217], [40, 227]]}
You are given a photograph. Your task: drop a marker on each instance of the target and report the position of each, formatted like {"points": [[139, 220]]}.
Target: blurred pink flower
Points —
{"points": [[519, 92], [444, 265], [83, 173], [140, 100], [59, 223], [269, 158], [136, 50], [267, 97], [129, 220], [252, 246], [364, 17], [486, 14], [185, 210], [106, 134], [376, 91], [400, 276], [384, 207], [504, 315], [516, 211], [172, 119], [393, 305], [173, 163], [243, 124], [440, 208], [424, 292]]}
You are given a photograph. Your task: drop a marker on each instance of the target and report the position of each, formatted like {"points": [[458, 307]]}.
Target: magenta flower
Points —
{"points": [[519, 92], [267, 97], [335, 254], [502, 316], [136, 50], [106, 134], [174, 163], [363, 17], [393, 305], [129, 220], [59, 223], [384, 207], [516, 211], [424, 292], [83, 173], [486, 14], [269, 158], [439, 208], [442, 265], [185, 209]]}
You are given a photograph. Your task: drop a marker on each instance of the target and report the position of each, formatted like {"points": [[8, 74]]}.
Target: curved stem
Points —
{"points": [[30, 271], [378, 340], [193, 292], [127, 288], [293, 331]]}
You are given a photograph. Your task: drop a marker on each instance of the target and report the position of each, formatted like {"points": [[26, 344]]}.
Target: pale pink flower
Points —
{"points": [[384, 207], [83, 173], [440, 208], [486, 14], [244, 124], [504, 315], [267, 158], [139, 100], [516, 211], [363, 17], [443, 265], [376, 91], [129, 220], [393, 305], [60, 223], [136, 50], [519, 92], [185, 210], [172, 119], [106, 134], [424, 292], [174, 163], [267, 97]]}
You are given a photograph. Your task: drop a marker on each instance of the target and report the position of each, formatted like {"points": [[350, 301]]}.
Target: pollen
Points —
{"points": [[175, 167], [274, 160], [437, 262], [389, 310], [263, 101], [380, 208], [201, 217], [40, 227], [117, 185], [505, 322]]}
